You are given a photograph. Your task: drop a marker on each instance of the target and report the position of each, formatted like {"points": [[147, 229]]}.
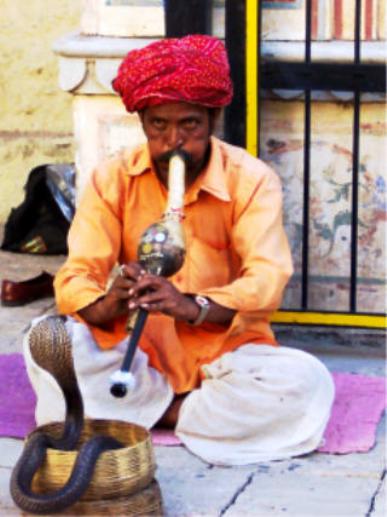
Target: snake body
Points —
{"points": [[50, 348]]}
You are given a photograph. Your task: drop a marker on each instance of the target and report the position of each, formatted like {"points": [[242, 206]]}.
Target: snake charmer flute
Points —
{"points": [[161, 251]]}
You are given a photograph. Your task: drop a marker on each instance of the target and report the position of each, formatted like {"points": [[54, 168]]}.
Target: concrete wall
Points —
{"points": [[35, 115]]}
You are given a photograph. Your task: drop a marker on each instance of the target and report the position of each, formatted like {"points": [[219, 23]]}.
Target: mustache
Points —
{"points": [[165, 157]]}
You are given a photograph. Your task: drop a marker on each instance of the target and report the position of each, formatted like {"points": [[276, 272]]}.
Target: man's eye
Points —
{"points": [[191, 123], [159, 124]]}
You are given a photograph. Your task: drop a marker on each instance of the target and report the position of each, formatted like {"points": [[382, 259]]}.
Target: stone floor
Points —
{"points": [[352, 485]]}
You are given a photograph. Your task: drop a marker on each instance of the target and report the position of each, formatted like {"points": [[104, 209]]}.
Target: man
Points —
{"points": [[207, 363]]}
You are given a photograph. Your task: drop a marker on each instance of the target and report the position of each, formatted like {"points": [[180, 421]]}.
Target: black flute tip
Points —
{"points": [[118, 390]]}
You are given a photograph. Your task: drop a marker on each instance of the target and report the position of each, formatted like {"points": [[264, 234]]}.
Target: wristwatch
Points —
{"points": [[204, 305]]}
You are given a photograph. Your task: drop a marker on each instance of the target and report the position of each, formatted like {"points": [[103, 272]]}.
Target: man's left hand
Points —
{"points": [[157, 294]]}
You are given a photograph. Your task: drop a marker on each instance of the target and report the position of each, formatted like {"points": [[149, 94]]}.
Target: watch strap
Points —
{"points": [[204, 306]]}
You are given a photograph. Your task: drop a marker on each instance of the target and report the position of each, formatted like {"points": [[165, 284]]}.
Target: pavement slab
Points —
{"points": [[191, 487], [15, 322], [317, 485], [10, 450], [378, 505]]}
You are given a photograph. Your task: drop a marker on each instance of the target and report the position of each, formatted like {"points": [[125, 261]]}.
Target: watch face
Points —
{"points": [[203, 302], [204, 305]]}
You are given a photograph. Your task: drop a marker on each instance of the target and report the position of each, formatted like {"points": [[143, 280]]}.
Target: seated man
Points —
{"points": [[212, 370]]}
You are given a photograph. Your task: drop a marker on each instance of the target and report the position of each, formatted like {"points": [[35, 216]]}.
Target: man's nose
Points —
{"points": [[175, 137]]}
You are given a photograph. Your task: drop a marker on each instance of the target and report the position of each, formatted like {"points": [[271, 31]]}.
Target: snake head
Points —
{"points": [[51, 349]]}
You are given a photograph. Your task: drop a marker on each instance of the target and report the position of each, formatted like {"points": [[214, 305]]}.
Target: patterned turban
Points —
{"points": [[191, 69]]}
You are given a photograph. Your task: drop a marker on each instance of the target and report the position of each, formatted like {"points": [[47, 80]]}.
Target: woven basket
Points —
{"points": [[118, 472], [147, 502]]}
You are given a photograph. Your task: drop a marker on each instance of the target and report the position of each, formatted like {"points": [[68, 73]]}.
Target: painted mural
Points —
{"points": [[330, 202]]}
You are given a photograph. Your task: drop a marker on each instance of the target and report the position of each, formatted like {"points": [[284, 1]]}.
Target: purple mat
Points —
{"points": [[359, 404], [17, 400]]}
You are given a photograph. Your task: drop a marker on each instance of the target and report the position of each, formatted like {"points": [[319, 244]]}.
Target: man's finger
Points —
{"points": [[151, 298], [132, 270], [151, 283]]}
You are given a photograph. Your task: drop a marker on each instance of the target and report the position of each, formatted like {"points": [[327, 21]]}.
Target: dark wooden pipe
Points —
{"points": [[161, 251]]}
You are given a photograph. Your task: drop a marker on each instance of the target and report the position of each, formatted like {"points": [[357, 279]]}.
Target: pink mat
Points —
{"points": [[17, 400], [359, 404]]}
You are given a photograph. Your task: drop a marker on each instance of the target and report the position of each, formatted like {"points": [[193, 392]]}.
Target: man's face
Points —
{"points": [[178, 125]]}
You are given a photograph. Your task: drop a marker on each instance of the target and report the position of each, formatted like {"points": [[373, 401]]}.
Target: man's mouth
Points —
{"points": [[164, 158]]}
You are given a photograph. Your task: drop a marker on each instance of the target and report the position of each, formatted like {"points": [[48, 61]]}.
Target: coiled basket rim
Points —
{"points": [[119, 472]]}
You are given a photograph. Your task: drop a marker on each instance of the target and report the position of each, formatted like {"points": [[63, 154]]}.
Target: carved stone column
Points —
{"points": [[88, 62]]}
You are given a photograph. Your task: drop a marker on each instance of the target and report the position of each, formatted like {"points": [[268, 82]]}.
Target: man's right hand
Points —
{"points": [[116, 300]]}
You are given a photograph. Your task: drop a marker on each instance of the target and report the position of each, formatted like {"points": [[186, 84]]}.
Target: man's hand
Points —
{"points": [[116, 300], [134, 288], [157, 294]]}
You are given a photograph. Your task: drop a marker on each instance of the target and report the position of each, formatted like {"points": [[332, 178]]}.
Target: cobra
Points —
{"points": [[50, 347]]}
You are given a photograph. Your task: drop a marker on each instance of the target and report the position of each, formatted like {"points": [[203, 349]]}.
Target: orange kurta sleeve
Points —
{"points": [[94, 241], [259, 239]]}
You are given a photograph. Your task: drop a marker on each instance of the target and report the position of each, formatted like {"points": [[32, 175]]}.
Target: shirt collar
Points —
{"points": [[212, 180], [141, 161]]}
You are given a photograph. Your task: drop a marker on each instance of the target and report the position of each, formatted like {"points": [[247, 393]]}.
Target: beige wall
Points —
{"points": [[35, 115]]}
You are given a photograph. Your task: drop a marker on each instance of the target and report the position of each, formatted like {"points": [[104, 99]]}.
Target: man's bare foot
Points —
{"points": [[169, 419]]}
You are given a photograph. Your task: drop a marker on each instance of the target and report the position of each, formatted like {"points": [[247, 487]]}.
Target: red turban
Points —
{"points": [[192, 69]]}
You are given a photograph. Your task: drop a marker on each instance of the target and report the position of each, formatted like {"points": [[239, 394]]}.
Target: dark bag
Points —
{"points": [[40, 224]]}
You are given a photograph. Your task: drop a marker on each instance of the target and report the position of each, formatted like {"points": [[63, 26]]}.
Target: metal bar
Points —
{"points": [[308, 31], [235, 114], [357, 32], [355, 203], [305, 209], [323, 76], [251, 74], [182, 18], [259, 88], [355, 168], [307, 132], [376, 321]]}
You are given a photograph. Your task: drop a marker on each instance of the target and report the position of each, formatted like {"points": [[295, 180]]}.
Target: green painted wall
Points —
{"points": [[35, 115]]}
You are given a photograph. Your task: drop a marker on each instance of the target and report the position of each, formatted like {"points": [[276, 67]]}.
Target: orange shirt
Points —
{"points": [[237, 253]]}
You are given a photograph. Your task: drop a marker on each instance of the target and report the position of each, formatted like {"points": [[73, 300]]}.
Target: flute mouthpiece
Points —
{"points": [[181, 153]]}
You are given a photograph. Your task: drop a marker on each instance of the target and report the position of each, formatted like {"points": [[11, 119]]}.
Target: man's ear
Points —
{"points": [[214, 115], [141, 115]]}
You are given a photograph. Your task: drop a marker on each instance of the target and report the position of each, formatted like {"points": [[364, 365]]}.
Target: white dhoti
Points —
{"points": [[257, 403]]}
